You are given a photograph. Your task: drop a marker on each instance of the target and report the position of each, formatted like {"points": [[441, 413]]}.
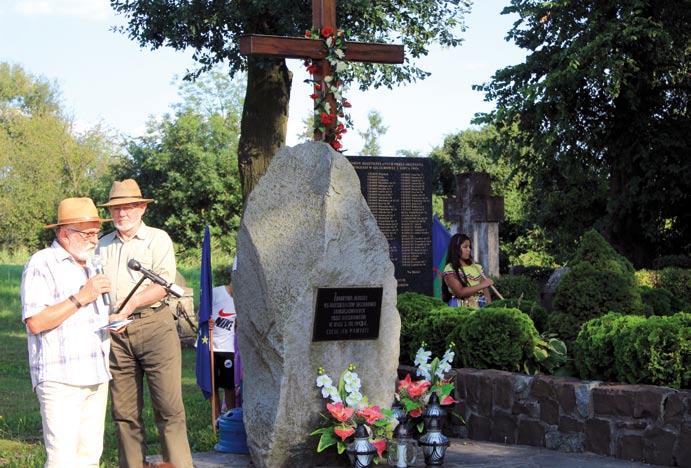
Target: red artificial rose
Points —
{"points": [[317, 86], [371, 414], [327, 31], [380, 445], [308, 33], [447, 400], [405, 383], [335, 144], [418, 388], [314, 95], [327, 119], [312, 68], [416, 412], [340, 411], [344, 431]]}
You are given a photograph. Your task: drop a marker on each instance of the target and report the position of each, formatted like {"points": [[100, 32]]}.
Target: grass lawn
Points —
{"points": [[21, 442]]}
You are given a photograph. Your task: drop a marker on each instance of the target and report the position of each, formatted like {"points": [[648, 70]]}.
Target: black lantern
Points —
{"points": [[361, 451], [433, 442], [433, 410], [402, 448], [398, 413]]}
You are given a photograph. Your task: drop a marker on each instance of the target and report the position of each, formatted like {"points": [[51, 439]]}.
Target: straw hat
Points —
{"points": [[122, 193], [76, 210]]}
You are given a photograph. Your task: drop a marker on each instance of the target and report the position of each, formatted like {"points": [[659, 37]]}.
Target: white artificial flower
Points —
{"points": [[423, 371], [354, 398], [339, 53], [341, 67], [350, 377], [328, 78], [448, 356], [422, 357], [442, 369], [329, 41], [323, 380], [331, 392]]}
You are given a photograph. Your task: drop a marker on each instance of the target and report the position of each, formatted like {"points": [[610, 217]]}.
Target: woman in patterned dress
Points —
{"points": [[464, 281]]}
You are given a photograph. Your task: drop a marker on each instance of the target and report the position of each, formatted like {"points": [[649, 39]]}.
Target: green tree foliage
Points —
{"points": [[187, 163], [212, 30], [42, 160], [372, 135], [602, 99]]}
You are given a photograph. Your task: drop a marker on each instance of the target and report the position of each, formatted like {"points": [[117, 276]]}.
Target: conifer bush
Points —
{"points": [[532, 309], [678, 282], [495, 338], [659, 301], [435, 328], [413, 307]]}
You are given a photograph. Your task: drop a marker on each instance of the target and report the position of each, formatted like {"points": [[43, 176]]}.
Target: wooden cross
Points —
{"points": [[323, 16]]}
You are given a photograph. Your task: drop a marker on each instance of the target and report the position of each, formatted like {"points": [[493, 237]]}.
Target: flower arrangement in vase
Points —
{"points": [[414, 395], [347, 408]]}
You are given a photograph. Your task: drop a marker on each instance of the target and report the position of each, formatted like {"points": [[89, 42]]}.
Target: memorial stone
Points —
{"points": [[477, 214], [307, 241]]}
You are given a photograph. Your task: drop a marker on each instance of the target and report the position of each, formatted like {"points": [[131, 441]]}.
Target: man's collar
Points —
{"points": [[59, 251]]}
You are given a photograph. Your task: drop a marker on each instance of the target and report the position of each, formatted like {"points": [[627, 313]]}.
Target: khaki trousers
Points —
{"points": [[73, 418], [149, 346]]}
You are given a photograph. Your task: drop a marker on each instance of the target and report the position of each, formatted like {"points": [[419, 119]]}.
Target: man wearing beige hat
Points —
{"points": [[64, 312], [149, 345]]}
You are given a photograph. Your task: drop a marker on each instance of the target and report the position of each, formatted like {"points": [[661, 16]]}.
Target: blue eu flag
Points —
{"points": [[203, 367]]}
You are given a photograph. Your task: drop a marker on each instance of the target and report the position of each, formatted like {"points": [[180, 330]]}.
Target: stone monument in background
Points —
{"points": [[314, 288], [476, 213]]}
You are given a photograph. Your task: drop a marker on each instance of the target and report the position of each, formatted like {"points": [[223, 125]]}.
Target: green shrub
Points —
{"points": [[495, 338], [634, 349], [517, 286], [655, 351], [586, 292], [649, 278], [679, 261], [435, 328], [678, 282], [658, 301], [596, 251], [593, 349], [565, 326], [531, 308], [413, 307]]}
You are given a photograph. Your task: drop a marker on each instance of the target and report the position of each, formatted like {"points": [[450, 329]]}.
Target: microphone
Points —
{"points": [[97, 265], [172, 288]]}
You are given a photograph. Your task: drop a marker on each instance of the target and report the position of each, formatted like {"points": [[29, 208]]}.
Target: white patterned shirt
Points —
{"points": [[76, 351]]}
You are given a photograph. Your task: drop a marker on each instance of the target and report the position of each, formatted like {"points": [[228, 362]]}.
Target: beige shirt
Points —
{"points": [[151, 247]]}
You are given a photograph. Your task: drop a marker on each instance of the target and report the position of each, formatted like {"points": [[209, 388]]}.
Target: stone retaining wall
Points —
{"points": [[633, 422]]}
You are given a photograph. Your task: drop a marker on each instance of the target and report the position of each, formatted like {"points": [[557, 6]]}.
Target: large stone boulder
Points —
{"points": [[306, 226]]}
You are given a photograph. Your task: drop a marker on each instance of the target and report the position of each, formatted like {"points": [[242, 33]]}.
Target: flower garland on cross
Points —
{"points": [[324, 115]]}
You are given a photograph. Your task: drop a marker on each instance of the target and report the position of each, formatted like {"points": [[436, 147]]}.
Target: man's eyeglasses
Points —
{"points": [[85, 235]]}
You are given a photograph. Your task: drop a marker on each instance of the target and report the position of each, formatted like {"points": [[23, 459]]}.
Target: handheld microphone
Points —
{"points": [[97, 265], [172, 288]]}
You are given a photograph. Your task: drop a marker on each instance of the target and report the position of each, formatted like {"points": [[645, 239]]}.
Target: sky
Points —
{"points": [[106, 78]]}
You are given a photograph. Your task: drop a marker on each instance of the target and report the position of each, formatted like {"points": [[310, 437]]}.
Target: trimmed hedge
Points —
{"points": [[596, 251], [659, 301], [495, 338], [677, 281], [585, 293], [532, 309], [412, 308], [516, 286], [634, 349]]}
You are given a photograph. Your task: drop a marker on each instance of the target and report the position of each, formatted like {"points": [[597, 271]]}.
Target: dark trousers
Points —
{"points": [[149, 346]]}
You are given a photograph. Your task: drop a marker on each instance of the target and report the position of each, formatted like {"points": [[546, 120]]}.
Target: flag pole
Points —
{"points": [[213, 387]]}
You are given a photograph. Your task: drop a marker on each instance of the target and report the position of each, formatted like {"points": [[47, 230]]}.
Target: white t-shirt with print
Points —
{"points": [[223, 315]]}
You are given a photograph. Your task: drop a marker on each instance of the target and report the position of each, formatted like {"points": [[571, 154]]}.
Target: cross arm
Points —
{"points": [[297, 47]]}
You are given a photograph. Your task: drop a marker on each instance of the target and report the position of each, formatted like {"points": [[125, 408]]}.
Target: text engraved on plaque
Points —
{"points": [[347, 313]]}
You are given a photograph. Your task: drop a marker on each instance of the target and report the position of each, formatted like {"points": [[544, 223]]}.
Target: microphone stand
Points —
{"points": [[129, 296]]}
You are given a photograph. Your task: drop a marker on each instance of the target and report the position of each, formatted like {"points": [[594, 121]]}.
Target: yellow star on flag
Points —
{"points": [[205, 339]]}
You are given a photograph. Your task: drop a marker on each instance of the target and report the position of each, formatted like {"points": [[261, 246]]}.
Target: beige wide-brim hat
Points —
{"points": [[122, 193], [76, 210]]}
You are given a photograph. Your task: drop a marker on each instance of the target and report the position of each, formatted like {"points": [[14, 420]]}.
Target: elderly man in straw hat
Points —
{"points": [[64, 312], [150, 345]]}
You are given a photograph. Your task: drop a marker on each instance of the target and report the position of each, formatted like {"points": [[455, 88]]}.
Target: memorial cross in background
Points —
{"points": [[323, 16], [477, 213]]}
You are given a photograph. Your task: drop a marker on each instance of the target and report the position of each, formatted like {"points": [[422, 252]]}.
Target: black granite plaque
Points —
{"points": [[347, 314], [399, 194]]}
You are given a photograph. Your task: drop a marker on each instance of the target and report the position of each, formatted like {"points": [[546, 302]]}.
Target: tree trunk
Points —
{"points": [[264, 118]]}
